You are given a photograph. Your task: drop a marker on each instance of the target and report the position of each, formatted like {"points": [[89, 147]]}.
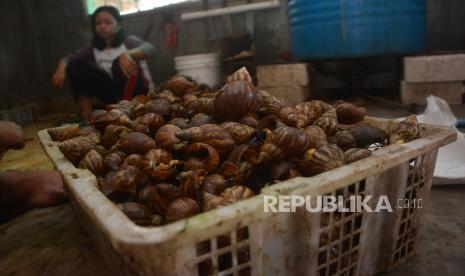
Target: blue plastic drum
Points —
{"points": [[336, 29]]}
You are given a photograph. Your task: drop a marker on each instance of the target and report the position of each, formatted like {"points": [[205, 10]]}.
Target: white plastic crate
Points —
{"points": [[241, 239]]}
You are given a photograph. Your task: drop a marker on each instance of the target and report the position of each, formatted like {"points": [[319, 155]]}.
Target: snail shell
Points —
{"points": [[284, 141], [321, 160], [348, 113], [94, 162], [182, 208], [63, 133]]}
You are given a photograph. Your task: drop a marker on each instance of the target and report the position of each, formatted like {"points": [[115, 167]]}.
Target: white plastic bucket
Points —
{"points": [[204, 68]]}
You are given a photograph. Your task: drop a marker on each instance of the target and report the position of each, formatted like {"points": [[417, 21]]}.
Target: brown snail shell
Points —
{"points": [[95, 137], [293, 117], [169, 96], [141, 128], [270, 122], [228, 169], [206, 154], [328, 121], [157, 156], [180, 85], [283, 142], [162, 171], [273, 105], [166, 138], [198, 104], [140, 99], [405, 131], [235, 100], [118, 117], [241, 74], [343, 139], [214, 184], [149, 123], [87, 130], [303, 114], [177, 110], [76, 148], [236, 193], [138, 110], [99, 118], [112, 134], [63, 133], [317, 136], [211, 201], [135, 142], [181, 123], [94, 162], [125, 179], [283, 170], [159, 197], [348, 113], [200, 119], [114, 160], [140, 214], [360, 136], [321, 160], [249, 120], [356, 154], [90, 132], [137, 161], [182, 208], [159, 106], [240, 163], [191, 181], [210, 134], [239, 132]]}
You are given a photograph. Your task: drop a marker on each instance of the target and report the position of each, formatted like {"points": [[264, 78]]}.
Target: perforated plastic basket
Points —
{"points": [[242, 239], [366, 243]]}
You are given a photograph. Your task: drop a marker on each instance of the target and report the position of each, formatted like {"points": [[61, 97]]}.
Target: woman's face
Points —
{"points": [[105, 25]]}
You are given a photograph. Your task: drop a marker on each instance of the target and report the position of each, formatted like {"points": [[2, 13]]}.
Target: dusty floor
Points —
{"points": [[49, 241]]}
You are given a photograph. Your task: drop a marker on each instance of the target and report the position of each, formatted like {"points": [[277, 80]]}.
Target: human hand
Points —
{"points": [[127, 65], [11, 136], [21, 191], [60, 75]]}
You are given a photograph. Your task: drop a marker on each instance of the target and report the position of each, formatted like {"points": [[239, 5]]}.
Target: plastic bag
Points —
{"points": [[450, 164]]}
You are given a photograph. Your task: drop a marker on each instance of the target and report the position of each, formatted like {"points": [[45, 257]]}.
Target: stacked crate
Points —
{"points": [[438, 75], [290, 81]]}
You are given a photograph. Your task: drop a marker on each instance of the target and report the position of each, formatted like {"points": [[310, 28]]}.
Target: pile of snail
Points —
{"points": [[168, 155]]}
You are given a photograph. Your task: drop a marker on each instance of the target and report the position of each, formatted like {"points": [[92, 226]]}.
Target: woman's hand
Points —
{"points": [[127, 65], [60, 75]]}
